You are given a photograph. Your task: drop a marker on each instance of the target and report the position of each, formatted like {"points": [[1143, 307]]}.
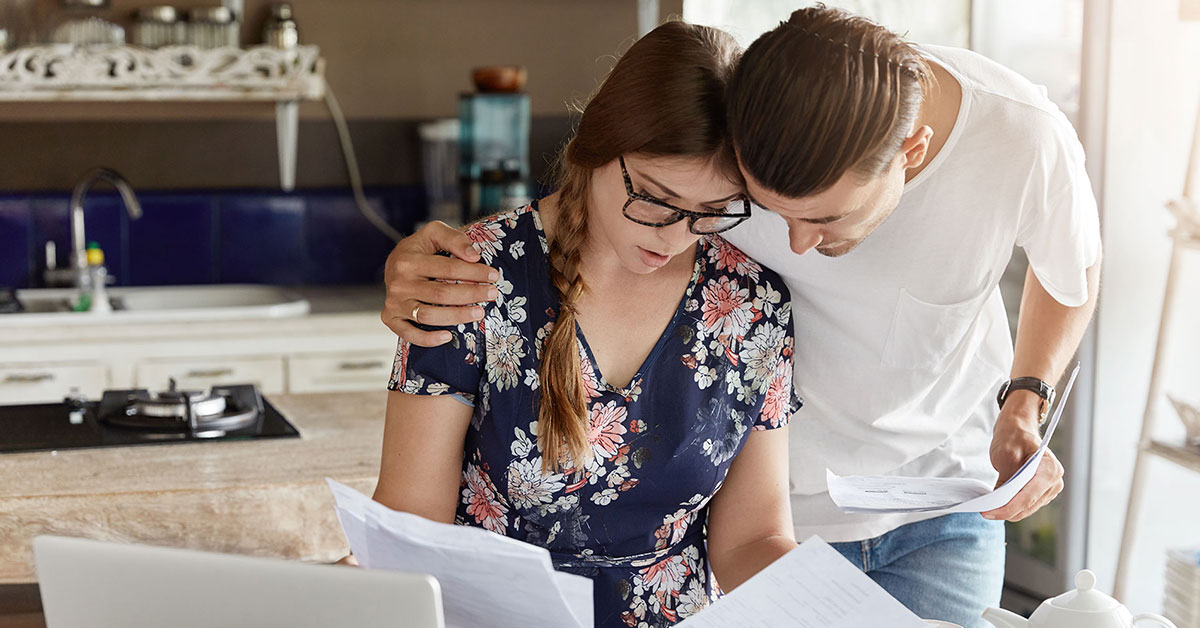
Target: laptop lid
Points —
{"points": [[94, 584]]}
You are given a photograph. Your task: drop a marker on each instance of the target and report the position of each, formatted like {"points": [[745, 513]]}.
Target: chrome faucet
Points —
{"points": [[79, 195], [79, 264]]}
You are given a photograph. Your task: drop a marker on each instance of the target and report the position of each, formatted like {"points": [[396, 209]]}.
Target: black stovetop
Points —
{"points": [[47, 426]]}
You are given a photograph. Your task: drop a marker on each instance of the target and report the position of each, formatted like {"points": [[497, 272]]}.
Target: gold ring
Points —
{"points": [[416, 310]]}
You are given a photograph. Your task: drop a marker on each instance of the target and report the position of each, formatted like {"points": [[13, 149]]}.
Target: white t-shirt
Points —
{"points": [[902, 343]]}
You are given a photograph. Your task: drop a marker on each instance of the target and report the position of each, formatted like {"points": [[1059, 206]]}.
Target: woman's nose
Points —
{"points": [[675, 233], [803, 237]]}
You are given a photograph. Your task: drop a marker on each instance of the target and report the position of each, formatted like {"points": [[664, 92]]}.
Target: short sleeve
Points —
{"points": [[1060, 223], [780, 402], [454, 368]]}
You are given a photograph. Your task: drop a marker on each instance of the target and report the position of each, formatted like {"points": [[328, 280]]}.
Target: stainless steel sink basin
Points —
{"points": [[44, 305], [159, 303]]}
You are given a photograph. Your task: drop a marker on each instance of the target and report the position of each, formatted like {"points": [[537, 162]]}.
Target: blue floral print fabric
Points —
{"points": [[633, 517]]}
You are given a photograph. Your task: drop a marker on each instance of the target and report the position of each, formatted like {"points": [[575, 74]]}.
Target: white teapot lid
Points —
{"points": [[1085, 597]]}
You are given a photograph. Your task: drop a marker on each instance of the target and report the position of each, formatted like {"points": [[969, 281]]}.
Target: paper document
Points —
{"points": [[888, 494], [487, 579], [812, 586]]}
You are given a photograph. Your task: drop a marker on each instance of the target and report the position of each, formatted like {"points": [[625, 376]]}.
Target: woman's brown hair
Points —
{"points": [[825, 93], [664, 97]]}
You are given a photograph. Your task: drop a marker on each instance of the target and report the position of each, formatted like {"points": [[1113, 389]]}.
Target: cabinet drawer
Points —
{"points": [[48, 382], [339, 372], [199, 373]]}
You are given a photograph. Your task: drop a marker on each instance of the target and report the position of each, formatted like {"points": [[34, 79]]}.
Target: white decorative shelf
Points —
{"points": [[67, 73], [122, 73]]}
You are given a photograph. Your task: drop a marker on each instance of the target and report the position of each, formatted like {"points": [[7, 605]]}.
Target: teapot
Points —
{"points": [[1085, 607]]}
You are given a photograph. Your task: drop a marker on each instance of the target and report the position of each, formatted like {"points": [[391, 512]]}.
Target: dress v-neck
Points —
{"points": [[701, 247]]}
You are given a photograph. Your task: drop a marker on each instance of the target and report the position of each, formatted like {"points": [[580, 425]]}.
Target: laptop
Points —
{"points": [[93, 584]]}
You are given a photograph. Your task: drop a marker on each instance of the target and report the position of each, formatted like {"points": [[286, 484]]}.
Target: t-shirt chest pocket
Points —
{"points": [[923, 335]]}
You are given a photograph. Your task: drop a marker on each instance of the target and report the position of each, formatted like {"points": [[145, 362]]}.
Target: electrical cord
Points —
{"points": [[360, 199]]}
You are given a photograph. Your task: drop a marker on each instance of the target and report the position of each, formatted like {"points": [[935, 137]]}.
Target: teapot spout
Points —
{"points": [[1001, 618]]}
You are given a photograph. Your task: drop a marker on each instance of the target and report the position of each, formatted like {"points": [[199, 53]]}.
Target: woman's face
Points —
{"points": [[690, 183]]}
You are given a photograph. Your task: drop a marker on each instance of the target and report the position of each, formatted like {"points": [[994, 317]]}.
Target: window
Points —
{"points": [[946, 22]]}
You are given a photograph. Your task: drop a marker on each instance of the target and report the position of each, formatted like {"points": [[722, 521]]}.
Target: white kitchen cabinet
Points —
{"points": [[267, 372], [339, 372], [318, 353], [35, 382]]}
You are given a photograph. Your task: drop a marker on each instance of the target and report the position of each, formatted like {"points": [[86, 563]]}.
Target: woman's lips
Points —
{"points": [[652, 259]]}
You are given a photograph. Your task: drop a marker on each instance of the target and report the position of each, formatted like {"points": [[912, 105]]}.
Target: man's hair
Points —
{"points": [[824, 93]]}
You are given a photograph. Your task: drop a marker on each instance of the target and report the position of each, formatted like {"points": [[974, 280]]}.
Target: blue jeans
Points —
{"points": [[949, 568]]}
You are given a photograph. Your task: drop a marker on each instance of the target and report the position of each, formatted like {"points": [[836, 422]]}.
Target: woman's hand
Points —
{"points": [[448, 301]]}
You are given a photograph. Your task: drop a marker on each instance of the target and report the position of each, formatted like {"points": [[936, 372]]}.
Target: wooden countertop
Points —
{"points": [[264, 498]]}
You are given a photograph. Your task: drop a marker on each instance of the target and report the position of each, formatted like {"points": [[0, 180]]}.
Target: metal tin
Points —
{"points": [[162, 13], [280, 29], [83, 4]]}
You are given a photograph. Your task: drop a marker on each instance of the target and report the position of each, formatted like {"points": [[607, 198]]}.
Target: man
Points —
{"points": [[912, 172]]}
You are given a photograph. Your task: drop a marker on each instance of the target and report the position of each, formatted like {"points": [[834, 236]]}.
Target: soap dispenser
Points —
{"points": [[99, 280]]}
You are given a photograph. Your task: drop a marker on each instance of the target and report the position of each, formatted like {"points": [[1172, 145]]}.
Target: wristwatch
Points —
{"points": [[1037, 386]]}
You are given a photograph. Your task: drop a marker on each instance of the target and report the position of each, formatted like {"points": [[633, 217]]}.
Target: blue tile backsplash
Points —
{"points": [[174, 242], [306, 237], [16, 234], [263, 239]]}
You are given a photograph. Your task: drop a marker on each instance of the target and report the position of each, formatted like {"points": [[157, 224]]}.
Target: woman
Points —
{"points": [[632, 364]]}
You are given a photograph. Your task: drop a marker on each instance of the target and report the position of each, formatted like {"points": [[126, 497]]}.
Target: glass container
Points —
{"points": [[212, 27], [83, 23], [494, 150], [155, 27]]}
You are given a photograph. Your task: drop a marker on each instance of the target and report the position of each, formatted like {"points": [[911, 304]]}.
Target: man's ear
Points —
{"points": [[916, 146]]}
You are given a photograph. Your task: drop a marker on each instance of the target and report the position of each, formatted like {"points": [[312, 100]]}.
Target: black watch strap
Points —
{"points": [[1037, 386]]}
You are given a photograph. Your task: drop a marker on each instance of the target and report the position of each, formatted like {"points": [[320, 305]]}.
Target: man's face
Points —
{"points": [[838, 219]]}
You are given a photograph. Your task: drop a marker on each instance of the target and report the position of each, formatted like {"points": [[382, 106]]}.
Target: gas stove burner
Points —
{"points": [[116, 421], [173, 413], [174, 404]]}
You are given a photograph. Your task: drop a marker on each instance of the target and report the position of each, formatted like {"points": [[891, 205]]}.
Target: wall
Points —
{"points": [[1153, 98], [390, 62]]}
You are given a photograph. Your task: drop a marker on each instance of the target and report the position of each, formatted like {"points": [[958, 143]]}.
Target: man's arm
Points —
{"points": [[1048, 333]]}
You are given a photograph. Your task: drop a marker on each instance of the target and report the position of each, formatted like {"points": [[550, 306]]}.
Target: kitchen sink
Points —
{"points": [[158, 304]]}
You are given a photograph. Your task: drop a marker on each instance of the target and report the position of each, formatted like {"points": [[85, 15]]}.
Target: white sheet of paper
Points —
{"points": [[351, 515], [812, 586], [889, 494], [487, 579]]}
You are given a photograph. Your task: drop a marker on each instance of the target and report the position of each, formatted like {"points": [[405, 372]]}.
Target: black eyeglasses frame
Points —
{"points": [[680, 213]]}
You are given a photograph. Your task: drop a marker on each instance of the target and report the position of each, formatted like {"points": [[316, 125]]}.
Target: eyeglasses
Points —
{"points": [[649, 211]]}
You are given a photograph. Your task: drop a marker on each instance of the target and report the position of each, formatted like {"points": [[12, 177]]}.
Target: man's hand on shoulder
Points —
{"points": [[430, 289]]}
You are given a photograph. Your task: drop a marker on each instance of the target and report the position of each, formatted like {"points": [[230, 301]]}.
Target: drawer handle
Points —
{"points": [[360, 366], [28, 378], [209, 372]]}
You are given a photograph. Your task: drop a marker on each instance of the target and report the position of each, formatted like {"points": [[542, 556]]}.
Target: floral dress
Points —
{"points": [[633, 518]]}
